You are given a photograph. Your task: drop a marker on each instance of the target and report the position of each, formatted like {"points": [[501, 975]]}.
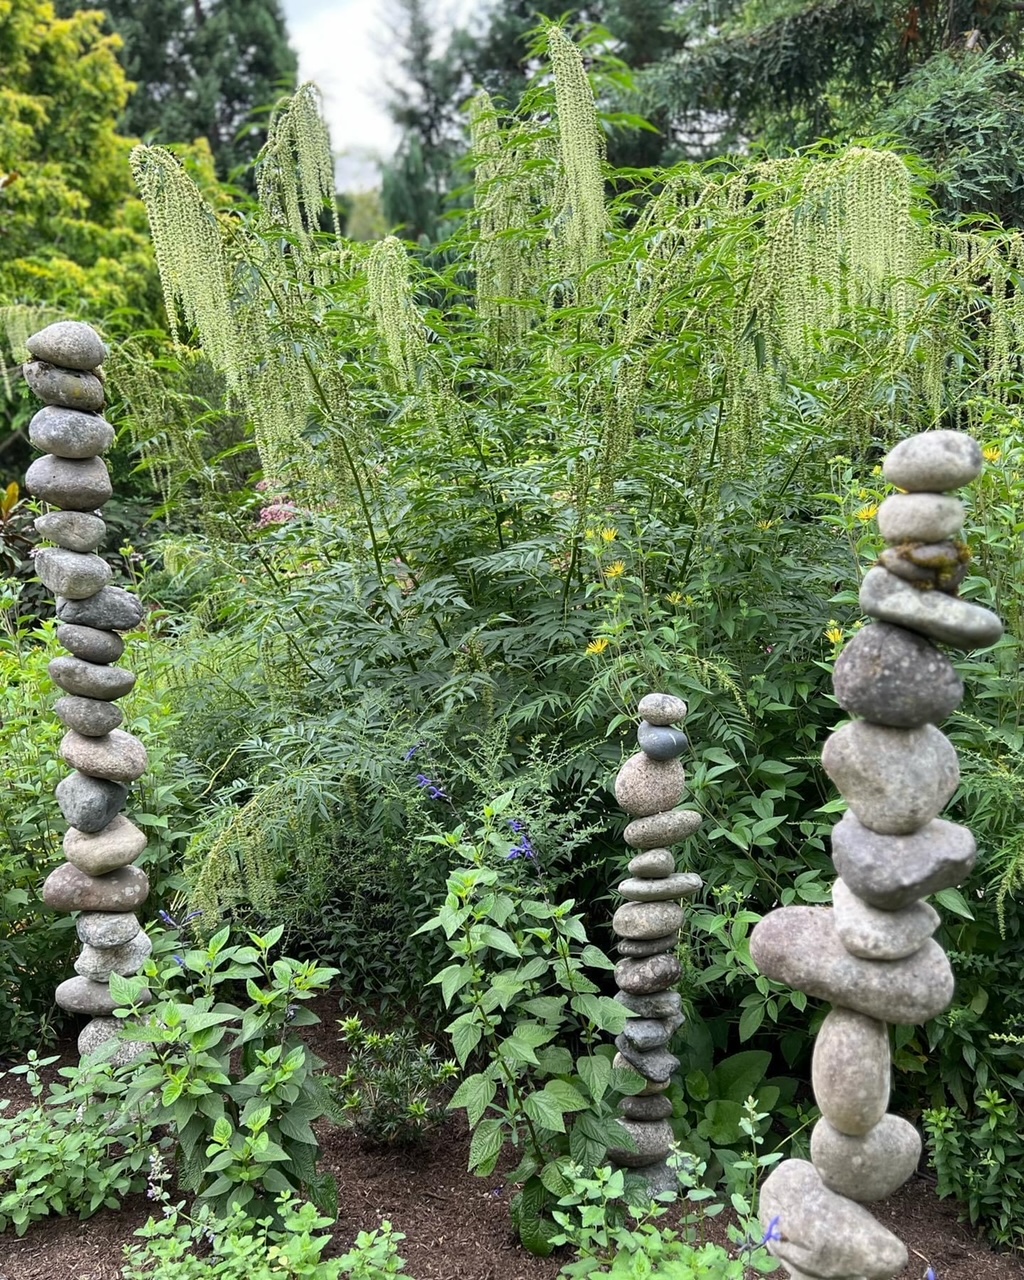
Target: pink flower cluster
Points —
{"points": [[280, 511]]}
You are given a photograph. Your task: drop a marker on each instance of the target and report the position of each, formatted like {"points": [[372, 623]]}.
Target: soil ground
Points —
{"points": [[456, 1225]]}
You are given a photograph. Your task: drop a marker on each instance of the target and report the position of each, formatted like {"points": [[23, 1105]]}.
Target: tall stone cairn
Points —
{"points": [[649, 786], [872, 954], [98, 880]]}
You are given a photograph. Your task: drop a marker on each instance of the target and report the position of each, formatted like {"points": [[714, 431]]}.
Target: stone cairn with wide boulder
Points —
{"points": [[649, 786], [98, 880], [872, 955]]}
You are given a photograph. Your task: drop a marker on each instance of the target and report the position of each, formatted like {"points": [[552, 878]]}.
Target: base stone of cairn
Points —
{"points": [[99, 879], [871, 955], [649, 786]]}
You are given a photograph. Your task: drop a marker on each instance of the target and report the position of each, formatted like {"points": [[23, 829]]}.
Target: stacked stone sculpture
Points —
{"points": [[872, 954], [649, 786], [98, 880]]}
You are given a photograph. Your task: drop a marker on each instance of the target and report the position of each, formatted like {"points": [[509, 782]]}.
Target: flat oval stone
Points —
{"points": [[73, 530], [873, 934], [119, 756], [945, 618], [644, 786], [74, 484], [71, 388], [851, 1070], [653, 1064], [662, 829], [90, 644], [891, 872], [68, 889], [640, 977], [653, 1107], [647, 946], [89, 716], [101, 1033], [647, 919], [106, 929], [823, 1234], [661, 742], [894, 780], [82, 995], [69, 433], [662, 708], [70, 573], [933, 462], [800, 947], [652, 1139], [920, 517], [942, 565], [112, 609], [117, 845], [896, 677], [68, 343], [90, 804], [645, 1034], [651, 1087], [870, 1167], [653, 864], [668, 889], [91, 679], [659, 1004], [98, 963]]}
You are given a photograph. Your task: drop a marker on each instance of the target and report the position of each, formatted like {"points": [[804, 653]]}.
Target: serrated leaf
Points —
{"points": [[602, 1012], [452, 979], [485, 1147], [566, 1096], [545, 1110], [475, 1094], [596, 1073], [466, 1033], [499, 940]]}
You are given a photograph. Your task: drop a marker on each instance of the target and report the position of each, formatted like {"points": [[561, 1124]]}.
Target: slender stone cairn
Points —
{"points": [[872, 954], [98, 880], [649, 786]]}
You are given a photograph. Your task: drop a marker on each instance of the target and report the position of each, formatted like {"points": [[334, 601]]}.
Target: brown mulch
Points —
{"points": [[456, 1225]]}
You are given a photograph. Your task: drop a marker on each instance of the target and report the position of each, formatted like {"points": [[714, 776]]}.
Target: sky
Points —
{"points": [[342, 48]]}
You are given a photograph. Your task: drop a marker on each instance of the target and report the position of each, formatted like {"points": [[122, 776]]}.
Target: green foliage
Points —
{"points": [[241, 1125], [392, 1086], [80, 1148], [375, 1254]]}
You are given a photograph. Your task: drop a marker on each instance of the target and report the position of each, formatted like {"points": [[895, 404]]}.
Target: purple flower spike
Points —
{"points": [[169, 921], [412, 750], [773, 1233]]}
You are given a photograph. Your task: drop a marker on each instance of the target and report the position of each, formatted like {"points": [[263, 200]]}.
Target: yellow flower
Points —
{"points": [[609, 535], [590, 534], [615, 570], [867, 513], [834, 632], [991, 454], [766, 524], [597, 647], [674, 597]]}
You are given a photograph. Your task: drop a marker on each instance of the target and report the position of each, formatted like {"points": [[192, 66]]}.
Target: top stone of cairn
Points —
{"points": [[933, 462], [68, 344], [662, 709]]}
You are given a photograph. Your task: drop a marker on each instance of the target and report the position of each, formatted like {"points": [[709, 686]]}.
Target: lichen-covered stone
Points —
{"points": [[654, 1106], [647, 919], [71, 388], [73, 484], [73, 530], [645, 786], [106, 928], [945, 618], [117, 845], [72, 573], [101, 1035], [895, 677], [662, 829], [67, 433], [933, 462], [891, 872], [652, 1140], [98, 963], [119, 756], [662, 709], [645, 1034], [71, 344], [651, 973], [653, 1064], [68, 889], [851, 1070]]}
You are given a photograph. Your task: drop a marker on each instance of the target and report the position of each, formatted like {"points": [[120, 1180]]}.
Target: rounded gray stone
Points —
{"points": [[894, 780], [651, 1087], [644, 787], [942, 565], [117, 845], [683, 884], [873, 934], [70, 573], [896, 677], [74, 484], [933, 462], [870, 1167], [68, 889], [112, 609], [71, 388], [662, 709], [645, 1034], [652, 1139], [643, 920], [68, 343], [891, 872], [659, 1004], [661, 742], [654, 1106], [89, 716], [945, 618], [799, 946], [91, 679], [652, 864], [653, 1064], [90, 804], [642, 976], [851, 1070], [69, 433], [90, 644], [117, 755], [101, 1034], [82, 995], [920, 517], [647, 946], [98, 963], [662, 829], [106, 929], [823, 1234], [73, 530]]}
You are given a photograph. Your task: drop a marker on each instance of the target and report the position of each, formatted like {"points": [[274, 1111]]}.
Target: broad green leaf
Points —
{"points": [[475, 1094], [602, 1012], [544, 1109], [738, 1076], [485, 1147], [567, 1097], [595, 1072]]}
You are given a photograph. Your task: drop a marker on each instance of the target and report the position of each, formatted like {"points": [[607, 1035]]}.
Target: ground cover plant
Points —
{"points": [[619, 432]]}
